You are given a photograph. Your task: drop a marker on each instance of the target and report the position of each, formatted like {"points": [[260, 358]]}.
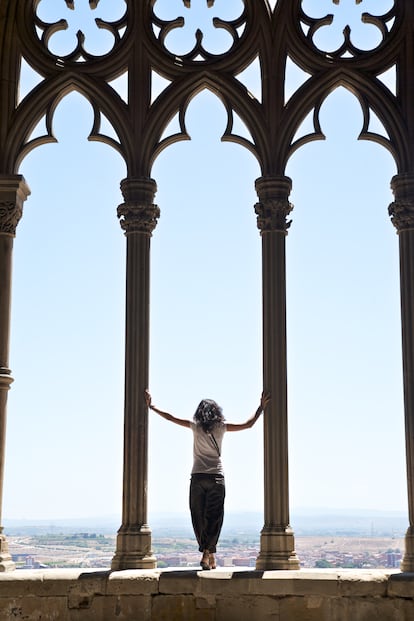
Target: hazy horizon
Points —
{"points": [[299, 511]]}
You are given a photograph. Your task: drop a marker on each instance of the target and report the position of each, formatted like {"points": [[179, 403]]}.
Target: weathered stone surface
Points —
{"points": [[222, 595], [179, 581], [175, 608], [111, 608], [370, 609], [248, 608], [133, 582], [311, 608], [33, 609], [362, 583], [401, 584]]}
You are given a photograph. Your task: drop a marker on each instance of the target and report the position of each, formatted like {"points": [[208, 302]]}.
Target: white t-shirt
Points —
{"points": [[206, 458]]}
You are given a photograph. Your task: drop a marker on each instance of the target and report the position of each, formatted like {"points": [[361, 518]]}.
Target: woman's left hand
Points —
{"points": [[147, 398]]}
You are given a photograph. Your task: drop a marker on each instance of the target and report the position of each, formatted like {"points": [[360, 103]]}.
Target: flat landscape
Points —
{"points": [[96, 550]]}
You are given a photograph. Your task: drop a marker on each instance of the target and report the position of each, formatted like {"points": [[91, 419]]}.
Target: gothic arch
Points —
{"points": [[140, 46], [370, 95]]}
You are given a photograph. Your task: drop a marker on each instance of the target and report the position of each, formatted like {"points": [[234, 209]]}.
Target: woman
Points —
{"points": [[207, 489]]}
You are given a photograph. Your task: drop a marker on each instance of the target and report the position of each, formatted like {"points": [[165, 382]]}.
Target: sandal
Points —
{"points": [[205, 564], [212, 561]]}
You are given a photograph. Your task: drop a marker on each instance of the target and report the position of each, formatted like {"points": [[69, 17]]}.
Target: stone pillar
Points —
{"points": [[402, 217], [277, 549], [13, 193], [138, 217]]}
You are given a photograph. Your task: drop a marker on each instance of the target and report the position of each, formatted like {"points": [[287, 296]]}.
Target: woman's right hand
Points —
{"points": [[264, 400]]}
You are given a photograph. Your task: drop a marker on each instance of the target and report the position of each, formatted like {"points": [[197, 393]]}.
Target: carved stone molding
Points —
{"points": [[401, 210], [5, 378], [138, 214], [13, 193], [135, 218], [10, 215], [402, 215], [271, 216], [273, 207]]}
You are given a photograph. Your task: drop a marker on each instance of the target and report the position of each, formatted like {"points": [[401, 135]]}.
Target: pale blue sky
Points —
{"points": [[64, 437]]}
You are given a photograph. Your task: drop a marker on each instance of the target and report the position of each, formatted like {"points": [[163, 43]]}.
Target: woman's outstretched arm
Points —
{"points": [[178, 421], [264, 400]]}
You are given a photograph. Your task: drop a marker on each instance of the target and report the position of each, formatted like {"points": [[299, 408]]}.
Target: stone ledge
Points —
{"points": [[221, 595]]}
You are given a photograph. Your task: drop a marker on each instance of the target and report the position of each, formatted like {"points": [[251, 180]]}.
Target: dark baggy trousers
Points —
{"points": [[207, 492]]}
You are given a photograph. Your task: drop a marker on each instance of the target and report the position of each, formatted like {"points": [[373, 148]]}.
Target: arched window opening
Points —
{"points": [[205, 306], [68, 329], [265, 64], [344, 340]]}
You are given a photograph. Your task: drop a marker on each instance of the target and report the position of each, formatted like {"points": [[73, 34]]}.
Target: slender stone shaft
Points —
{"points": [[138, 216], [402, 216], [13, 193], [277, 540]]}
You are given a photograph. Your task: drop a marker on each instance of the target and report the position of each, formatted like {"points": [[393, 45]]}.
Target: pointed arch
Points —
{"points": [[43, 100], [370, 94]]}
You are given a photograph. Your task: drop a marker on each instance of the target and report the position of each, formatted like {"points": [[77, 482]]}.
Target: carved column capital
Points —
{"points": [[138, 214], [273, 207], [401, 210], [13, 193]]}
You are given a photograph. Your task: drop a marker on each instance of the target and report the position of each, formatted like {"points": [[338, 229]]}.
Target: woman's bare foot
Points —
{"points": [[205, 560], [212, 561]]}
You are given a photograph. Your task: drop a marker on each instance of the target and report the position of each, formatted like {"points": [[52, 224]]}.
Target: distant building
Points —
{"points": [[394, 559]]}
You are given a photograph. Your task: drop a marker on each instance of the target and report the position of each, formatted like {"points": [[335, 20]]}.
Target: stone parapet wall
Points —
{"points": [[221, 595]]}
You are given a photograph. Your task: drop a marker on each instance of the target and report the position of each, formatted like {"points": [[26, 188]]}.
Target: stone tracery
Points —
{"points": [[79, 51], [312, 26], [141, 46]]}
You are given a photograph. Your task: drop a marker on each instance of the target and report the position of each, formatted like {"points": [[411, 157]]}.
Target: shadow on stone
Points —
{"points": [[242, 575], [95, 574]]}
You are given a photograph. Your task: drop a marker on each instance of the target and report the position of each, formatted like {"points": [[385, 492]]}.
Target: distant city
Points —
{"points": [[359, 539]]}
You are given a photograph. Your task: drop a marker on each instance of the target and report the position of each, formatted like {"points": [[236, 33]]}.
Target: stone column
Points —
{"points": [[402, 217], [138, 216], [13, 193], [277, 549]]}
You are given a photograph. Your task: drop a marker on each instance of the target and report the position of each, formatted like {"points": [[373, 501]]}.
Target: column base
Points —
{"points": [[407, 564], [133, 549], [277, 550], [6, 563]]}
